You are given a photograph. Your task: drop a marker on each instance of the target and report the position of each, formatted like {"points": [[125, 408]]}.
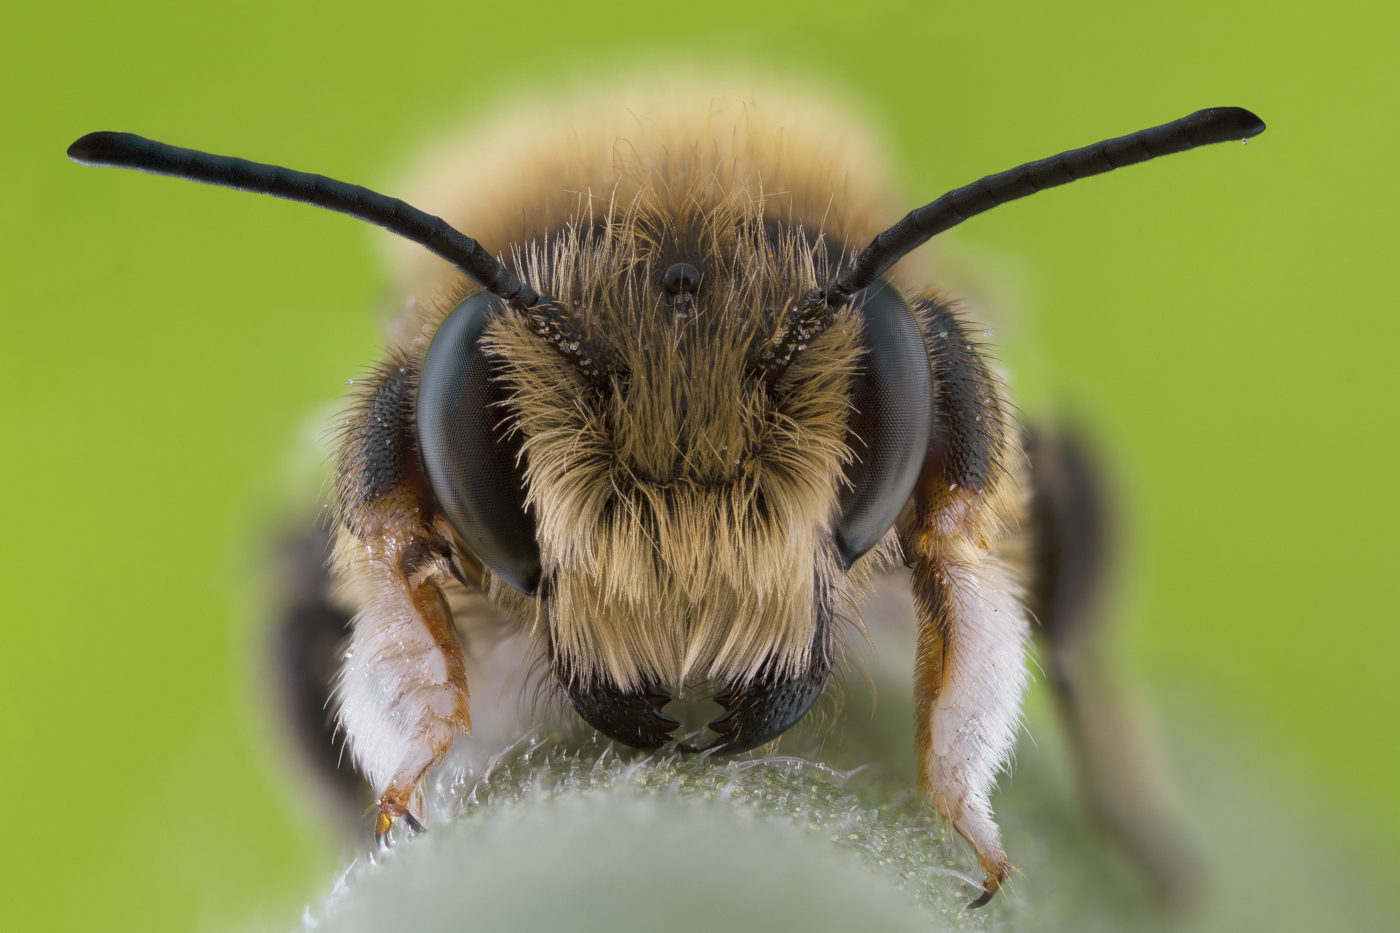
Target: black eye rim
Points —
{"points": [[892, 400], [471, 459]]}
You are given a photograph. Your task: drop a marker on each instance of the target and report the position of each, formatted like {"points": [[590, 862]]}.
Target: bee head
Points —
{"points": [[686, 510]]}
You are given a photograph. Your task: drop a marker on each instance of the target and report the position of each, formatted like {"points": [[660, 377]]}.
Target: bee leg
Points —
{"points": [[402, 692], [1070, 509], [970, 666]]}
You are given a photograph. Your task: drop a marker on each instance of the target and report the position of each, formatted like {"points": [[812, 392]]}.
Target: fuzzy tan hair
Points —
{"points": [[684, 516], [532, 168]]}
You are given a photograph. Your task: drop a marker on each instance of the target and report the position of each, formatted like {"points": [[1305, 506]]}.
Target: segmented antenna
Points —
{"points": [[1216, 125], [816, 310], [127, 150]]}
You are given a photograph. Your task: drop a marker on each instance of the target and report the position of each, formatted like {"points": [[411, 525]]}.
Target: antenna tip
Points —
{"points": [[99, 148], [1235, 122]]}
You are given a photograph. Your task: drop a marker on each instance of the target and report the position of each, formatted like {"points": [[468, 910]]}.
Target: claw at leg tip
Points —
{"points": [[989, 889], [382, 824], [389, 811], [991, 884]]}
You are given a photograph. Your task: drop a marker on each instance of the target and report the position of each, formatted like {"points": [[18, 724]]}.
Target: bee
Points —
{"points": [[673, 410]]}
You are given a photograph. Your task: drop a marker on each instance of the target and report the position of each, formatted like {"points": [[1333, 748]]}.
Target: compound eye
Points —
{"points": [[892, 398], [472, 460]]}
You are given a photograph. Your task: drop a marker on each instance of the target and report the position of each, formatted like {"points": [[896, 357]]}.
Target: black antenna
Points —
{"points": [[127, 150], [1218, 124]]}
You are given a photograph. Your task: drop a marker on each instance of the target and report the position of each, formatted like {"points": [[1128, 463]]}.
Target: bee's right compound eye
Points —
{"points": [[472, 459]]}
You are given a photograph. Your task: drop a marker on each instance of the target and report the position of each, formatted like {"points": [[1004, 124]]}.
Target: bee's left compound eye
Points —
{"points": [[892, 397], [472, 459]]}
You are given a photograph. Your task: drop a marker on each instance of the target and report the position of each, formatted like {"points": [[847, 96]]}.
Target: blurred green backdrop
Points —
{"points": [[1219, 318]]}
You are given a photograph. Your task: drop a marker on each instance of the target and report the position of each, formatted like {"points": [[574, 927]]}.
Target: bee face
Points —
{"points": [[673, 500], [673, 435]]}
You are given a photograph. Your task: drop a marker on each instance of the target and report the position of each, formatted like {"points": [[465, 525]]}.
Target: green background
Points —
{"points": [[1221, 319]]}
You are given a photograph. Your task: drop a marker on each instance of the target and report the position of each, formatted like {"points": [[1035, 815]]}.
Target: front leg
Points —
{"points": [[970, 666], [402, 694]]}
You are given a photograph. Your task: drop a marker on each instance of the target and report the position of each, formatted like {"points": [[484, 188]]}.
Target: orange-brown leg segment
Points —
{"points": [[402, 692], [970, 663]]}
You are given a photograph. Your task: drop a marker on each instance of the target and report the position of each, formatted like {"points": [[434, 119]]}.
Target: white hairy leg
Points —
{"points": [[402, 693], [971, 674]]}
